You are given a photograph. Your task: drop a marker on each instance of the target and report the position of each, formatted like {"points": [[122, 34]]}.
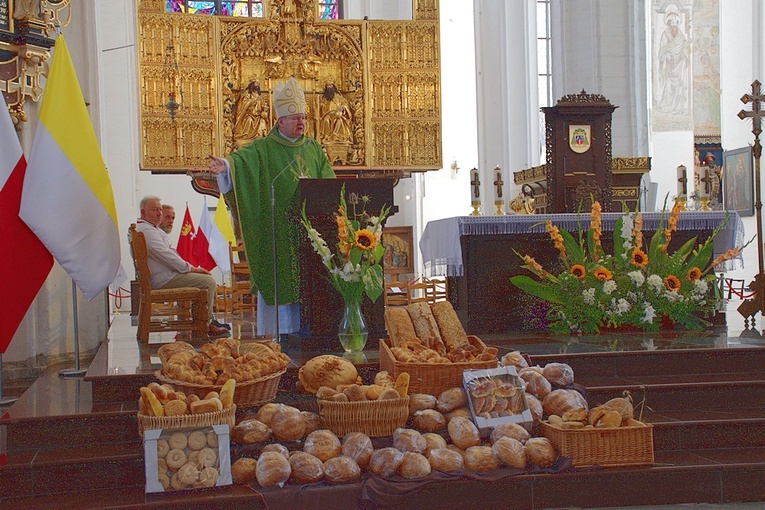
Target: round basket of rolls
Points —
{"points": [[161, 406], [256, 367]]}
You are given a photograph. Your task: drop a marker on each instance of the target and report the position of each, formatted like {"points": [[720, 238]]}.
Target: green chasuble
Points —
{"points": [[253, 168]]}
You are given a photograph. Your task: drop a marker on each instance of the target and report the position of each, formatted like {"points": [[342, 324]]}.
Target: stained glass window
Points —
{"points": [[237, 8], [329, 9]]}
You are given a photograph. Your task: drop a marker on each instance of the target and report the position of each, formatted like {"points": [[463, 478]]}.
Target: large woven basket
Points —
{"points": [[431, 378], [247, 394], [188, 421], [621, 446], [374, 418]]}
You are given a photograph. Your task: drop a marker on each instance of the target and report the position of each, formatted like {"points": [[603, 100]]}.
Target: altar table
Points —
{"points": [[481, 253]]}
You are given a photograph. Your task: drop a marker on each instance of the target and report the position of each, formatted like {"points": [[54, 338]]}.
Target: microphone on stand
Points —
{"points": [[273, 242]]}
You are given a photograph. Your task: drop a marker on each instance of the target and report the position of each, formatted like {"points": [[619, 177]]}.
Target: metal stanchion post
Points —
{"points": [[77, 372]]}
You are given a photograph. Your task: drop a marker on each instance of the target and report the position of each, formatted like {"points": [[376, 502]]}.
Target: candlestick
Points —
{"points": [[682, 182], [475, 194]]}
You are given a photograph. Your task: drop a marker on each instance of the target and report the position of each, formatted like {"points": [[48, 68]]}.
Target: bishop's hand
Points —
{"points": [[217, 165]]}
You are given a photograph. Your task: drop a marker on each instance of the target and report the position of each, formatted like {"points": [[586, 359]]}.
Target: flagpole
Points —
{"points": [[77, 372], [7, 400]]}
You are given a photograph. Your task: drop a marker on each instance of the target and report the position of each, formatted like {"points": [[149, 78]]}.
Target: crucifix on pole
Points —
{"points": [[756, 97]]}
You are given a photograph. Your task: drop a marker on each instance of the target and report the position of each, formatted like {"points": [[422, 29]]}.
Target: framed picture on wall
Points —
{"points": [[738, 185], [399, 252]]}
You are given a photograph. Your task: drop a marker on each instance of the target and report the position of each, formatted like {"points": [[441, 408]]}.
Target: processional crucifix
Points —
{"points": [[757, 303]]}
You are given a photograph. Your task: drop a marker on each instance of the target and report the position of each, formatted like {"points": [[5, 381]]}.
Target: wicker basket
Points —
{"points": [[247, 394], [621, 446], [188, 421], [431, 378], [374, 418]]}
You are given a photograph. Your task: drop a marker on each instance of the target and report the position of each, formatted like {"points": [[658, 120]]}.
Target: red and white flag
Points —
{"points": [[202, 242], [186, 240], [24, 260]]}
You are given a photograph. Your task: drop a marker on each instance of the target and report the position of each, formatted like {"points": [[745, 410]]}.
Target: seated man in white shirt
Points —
{"points": [[168, 269]]}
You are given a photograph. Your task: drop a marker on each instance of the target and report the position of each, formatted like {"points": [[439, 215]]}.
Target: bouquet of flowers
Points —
{"points": [[354, 264], [636, 286]]}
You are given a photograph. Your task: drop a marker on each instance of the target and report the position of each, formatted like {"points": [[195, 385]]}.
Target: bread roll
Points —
{"points": [[451, 399], [244, 470], [426, 327], [511, 452], [278, 448], [322, 444], [166, 351], [266, 412], [358, 446], [250, 431], [305, 468], [272, 469], [385, 461], [428, 420], [535, 406], [559, 374], [312, 421], [462, 412], [481, 459], [541, 452], [433, 442], [446, 460], [420, 402], [560, 401], [399, 326], [512, 430], [288, 424], [536, 384], [414, 465], [463, 433], [449, 325], [514, 359], [341, 469], [408, 440]]}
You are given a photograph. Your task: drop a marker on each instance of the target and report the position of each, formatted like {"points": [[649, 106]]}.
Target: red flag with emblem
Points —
{"points": [[186, 240]]}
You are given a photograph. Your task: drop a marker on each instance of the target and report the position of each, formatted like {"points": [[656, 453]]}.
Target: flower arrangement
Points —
{"points": [[354, 266], [636, 286]]}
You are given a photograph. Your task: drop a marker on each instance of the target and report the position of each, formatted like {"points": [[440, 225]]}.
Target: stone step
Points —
{"points": [[707, 476], [641, 363]]}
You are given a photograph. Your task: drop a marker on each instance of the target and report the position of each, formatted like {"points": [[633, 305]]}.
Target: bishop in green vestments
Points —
{"points": [[280, 159]]}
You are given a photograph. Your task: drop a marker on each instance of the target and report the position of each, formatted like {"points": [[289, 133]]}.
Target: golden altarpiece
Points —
{"points": [[579, 166], [372, 87]]}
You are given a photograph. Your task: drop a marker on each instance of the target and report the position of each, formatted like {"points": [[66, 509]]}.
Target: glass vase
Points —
{"points": [[353, 330]]}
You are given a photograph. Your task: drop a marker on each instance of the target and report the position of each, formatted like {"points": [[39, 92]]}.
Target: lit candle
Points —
{"points": [[498, 182], [682, 182]]}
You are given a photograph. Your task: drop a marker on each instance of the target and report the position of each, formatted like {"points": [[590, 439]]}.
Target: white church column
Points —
{"points": [[507, 95]]}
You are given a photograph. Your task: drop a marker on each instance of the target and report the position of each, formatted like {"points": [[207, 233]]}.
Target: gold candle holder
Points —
{"points": [[476, 209], [499, 204], [704, 203]]}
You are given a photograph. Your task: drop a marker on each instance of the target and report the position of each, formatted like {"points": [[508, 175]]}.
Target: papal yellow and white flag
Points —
{"points": [[67, 197]]}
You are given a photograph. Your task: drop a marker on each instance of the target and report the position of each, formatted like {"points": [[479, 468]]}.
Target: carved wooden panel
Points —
{"points": [[372, 87]]}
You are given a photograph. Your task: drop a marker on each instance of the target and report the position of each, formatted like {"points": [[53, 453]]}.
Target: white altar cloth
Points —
{"points": [[442, 252]]}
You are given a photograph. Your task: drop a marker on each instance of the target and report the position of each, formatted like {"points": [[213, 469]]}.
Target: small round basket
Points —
{"points": [[374, 418], [185, 421], [247, 394]]}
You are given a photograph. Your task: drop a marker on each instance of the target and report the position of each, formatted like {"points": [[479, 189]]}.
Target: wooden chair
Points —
{"points": [[436, 289], [242, 299], [396, 294], [181, 309], [420, 291]]}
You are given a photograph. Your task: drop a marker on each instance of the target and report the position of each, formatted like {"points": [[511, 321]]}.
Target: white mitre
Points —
{"points": [[289, 98]]}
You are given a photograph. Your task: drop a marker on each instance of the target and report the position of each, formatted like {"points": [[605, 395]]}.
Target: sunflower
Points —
{"points": [[639, 258], [602, 274], [578, 271], [672, 282], [694, 274], [364, 239]]}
